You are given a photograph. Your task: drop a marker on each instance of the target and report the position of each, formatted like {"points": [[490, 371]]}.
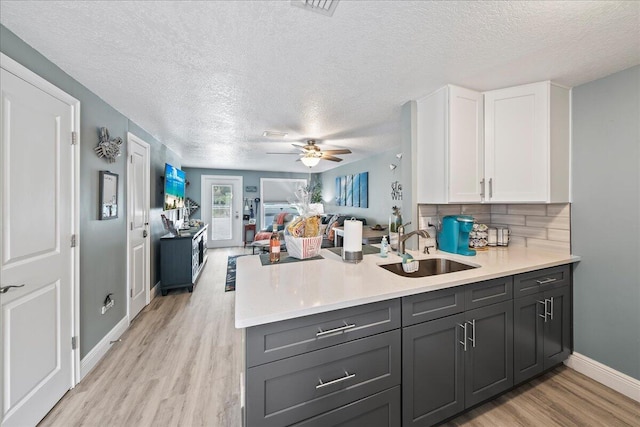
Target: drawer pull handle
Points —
{"points": [[338, 329], [347, 376], [547, 280]]}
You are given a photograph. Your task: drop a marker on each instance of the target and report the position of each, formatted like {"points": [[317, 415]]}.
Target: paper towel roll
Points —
{"points": [[352, 241]]}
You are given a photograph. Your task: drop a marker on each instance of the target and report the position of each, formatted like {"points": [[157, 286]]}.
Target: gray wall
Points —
{"points": [[102, 243], [605, 219], [249, 178], [380, 179]]}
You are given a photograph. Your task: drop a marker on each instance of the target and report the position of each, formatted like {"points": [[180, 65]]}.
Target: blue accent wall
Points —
{"points": [[605, 220]]}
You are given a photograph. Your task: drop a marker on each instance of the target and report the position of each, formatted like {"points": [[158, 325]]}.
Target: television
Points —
{"points": [[174, 187]]}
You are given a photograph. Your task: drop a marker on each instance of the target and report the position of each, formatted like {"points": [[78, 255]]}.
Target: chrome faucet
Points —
{"points": [[403, 237]]}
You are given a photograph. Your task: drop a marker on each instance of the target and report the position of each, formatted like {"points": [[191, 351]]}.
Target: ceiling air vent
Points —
{"points": [[325, 7]]}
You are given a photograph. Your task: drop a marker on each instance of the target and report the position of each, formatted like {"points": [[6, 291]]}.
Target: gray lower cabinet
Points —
{"points": [[542, 331], [291, 390], [489, 353], [379, 410], [432, 371], [453, 363]]}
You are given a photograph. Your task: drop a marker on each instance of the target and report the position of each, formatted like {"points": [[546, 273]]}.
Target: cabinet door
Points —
{"points": [[466, 148], [489, 359], [528, 329], [517, 143], [432, 371], [557, 329]]}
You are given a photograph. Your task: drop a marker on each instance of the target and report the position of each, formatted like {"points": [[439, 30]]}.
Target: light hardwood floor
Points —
{"points": [[179, 364]]}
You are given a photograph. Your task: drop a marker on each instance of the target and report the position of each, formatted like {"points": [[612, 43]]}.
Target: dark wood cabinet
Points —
{"points": [[459, 347], [453, 363], [432, 371], [182, 258], [322, 369], [489, 355], [542, 322]]}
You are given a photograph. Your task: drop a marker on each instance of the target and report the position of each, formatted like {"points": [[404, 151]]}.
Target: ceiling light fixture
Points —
{"points": [[274, 134], [310, 161], [325, 7]]}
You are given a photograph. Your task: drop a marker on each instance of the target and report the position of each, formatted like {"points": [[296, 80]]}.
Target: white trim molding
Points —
{"points": [[155, 290], [100, 350], [616, 380]]}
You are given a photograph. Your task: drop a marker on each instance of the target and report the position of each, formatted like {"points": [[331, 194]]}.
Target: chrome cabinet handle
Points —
{"points": [[551, 311], [464, 341], [347, 376], [338, 329], [473, 332], [544, 316], [490, 187], [4, 289], [482, 188], [547, 280]]}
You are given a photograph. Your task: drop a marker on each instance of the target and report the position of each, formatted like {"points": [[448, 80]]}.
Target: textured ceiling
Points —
{"points": [[207, 78]]}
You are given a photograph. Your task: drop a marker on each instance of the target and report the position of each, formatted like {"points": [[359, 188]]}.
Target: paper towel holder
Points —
{"points": [[353, 257]]}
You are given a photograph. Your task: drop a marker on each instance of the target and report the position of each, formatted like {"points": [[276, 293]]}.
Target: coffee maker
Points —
{"points": [[454, 236]]}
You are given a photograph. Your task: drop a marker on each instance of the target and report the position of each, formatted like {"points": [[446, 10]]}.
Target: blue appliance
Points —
{"points": [[454, 236]]}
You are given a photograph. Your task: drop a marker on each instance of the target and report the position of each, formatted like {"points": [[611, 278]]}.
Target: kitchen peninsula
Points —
{"points": [[328, 341]]}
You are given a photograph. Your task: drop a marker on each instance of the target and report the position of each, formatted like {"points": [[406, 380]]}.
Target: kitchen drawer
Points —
{"points": [[294, 389], [541, 280], [379, 410], [488, 292], [432, 305], [274, 341]]}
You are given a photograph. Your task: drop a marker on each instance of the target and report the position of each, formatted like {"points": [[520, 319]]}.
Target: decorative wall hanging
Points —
{"points": [[353, 190], [108, 196], [396, 191], [107, 147], [190, 207], [251, 189]]}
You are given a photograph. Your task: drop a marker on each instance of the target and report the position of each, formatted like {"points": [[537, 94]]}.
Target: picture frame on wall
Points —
{"points": [[108, 195]]}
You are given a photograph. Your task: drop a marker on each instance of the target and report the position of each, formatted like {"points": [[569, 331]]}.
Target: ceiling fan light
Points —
{"points": [[310, 161]]}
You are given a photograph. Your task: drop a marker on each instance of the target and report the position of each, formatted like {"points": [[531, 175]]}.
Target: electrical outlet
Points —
{"points": [[107, 306]]}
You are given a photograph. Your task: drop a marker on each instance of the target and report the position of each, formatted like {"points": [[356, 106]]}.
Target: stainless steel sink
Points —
{"points": [[429, 267]]}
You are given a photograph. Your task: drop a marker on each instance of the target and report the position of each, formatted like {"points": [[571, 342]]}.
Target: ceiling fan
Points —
{"points": [[311, 154]]}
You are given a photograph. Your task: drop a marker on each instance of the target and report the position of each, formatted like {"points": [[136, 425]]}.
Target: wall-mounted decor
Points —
{"points": [[190, 207], [251, 189], [107, 147], [396, 191], [353, 190], [108, 195]]}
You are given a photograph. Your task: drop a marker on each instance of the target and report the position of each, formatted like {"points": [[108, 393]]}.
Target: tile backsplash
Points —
{"points": [[541, 226]]}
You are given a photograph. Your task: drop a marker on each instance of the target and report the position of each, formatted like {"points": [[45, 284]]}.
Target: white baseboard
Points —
{"points": [[618, 381], [155, 291], [97, 353]]}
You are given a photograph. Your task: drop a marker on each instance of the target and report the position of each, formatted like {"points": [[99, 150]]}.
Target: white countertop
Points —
{"points": [[271, 293]]}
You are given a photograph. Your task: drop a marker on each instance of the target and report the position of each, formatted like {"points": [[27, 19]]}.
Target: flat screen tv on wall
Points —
{"points": [[174, 187]]}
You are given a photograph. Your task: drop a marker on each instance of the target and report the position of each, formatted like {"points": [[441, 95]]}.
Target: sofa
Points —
{"points": [[280, 221]]}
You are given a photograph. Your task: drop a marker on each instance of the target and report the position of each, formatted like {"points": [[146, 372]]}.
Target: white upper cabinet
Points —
{"points": [[527, 144], [448, 146], [512, 148]]}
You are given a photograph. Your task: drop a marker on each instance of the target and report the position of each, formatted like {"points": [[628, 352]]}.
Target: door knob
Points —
{"points": [[144, 233], [4, 289]]}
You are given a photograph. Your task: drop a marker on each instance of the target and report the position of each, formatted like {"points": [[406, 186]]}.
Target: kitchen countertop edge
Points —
{"points": [[266, 294]]}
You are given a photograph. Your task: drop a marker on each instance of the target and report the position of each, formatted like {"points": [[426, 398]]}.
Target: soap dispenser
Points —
{"points": [[384, 247]]}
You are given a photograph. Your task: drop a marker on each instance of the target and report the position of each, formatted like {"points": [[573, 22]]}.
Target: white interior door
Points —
{"points": [[37, 221], [222, 210], [138, 219]]}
